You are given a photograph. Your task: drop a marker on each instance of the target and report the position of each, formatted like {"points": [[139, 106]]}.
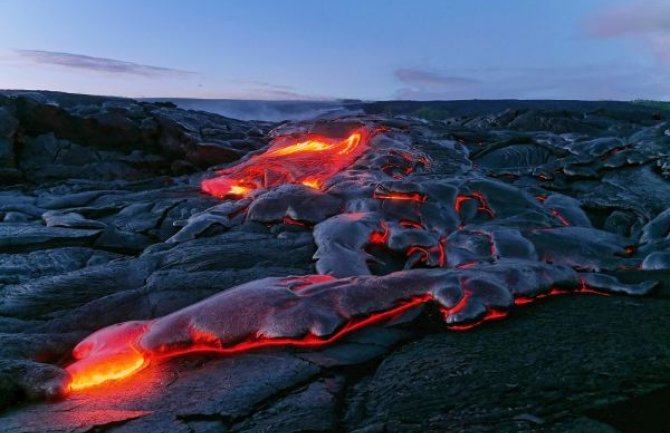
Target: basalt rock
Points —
{"points": [[50, 136]]}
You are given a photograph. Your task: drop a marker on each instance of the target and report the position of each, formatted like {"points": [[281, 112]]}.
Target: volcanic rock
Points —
{"points": [[447, 221]]}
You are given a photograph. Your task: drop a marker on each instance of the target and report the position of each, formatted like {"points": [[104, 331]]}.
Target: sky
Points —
{"points": [[318, 49]]}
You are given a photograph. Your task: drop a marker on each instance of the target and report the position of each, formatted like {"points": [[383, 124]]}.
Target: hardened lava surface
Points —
{"points": [[172, 270]]}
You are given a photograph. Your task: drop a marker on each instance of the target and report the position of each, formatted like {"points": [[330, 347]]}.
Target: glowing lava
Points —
{"points": [[415, 196], [310, 161], [380, 237], [483, 203], [122, 350], [109, 354], [116, 352]]}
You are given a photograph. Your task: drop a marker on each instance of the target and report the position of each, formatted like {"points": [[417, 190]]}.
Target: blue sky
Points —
{"points": [[316, 49]]}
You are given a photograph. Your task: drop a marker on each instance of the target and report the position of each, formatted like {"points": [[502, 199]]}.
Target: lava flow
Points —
{"points": [[120, 351], [310, 161], [116, 352], [109, 354], [311, 311]]}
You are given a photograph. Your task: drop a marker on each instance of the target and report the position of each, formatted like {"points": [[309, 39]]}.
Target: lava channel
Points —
{"points": [[310, 161]]}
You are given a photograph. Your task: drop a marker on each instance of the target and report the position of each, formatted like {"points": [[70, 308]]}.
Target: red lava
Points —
{"points": [[115, 353], [310, 160]]}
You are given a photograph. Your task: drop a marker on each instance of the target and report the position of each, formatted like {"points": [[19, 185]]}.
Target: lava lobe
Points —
{"points": [[309, 160]]}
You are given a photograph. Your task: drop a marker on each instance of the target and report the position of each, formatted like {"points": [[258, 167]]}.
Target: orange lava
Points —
{"points": [[115, 367], [310, 162], [109, 354], [115, 352], [121, 355], [415, 196]]}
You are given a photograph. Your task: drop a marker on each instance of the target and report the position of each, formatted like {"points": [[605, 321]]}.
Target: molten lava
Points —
{"points": [[116, 352], [309, 161], [415, 196], [109, 354]]}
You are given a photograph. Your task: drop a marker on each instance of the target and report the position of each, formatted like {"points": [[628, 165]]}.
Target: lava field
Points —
{"points": [[504, 267]]}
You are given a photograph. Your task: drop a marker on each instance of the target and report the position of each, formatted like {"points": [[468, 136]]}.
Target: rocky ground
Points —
{"points": [[103, 221]]}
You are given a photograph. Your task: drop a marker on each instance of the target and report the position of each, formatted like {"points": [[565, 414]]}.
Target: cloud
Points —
{"points": [[263, 84], [587, 82], [271, 94], [635, 18], [97, 64], [421, 84], [256, 89], [425, 79], [644, 20], [288, 95]]}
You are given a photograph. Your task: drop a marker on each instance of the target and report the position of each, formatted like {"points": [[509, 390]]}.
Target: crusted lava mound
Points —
{"points": [[288, 279]]}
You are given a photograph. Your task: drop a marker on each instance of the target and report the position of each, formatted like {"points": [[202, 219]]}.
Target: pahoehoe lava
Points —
{"points": [[305, 237], [492, 251]]}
